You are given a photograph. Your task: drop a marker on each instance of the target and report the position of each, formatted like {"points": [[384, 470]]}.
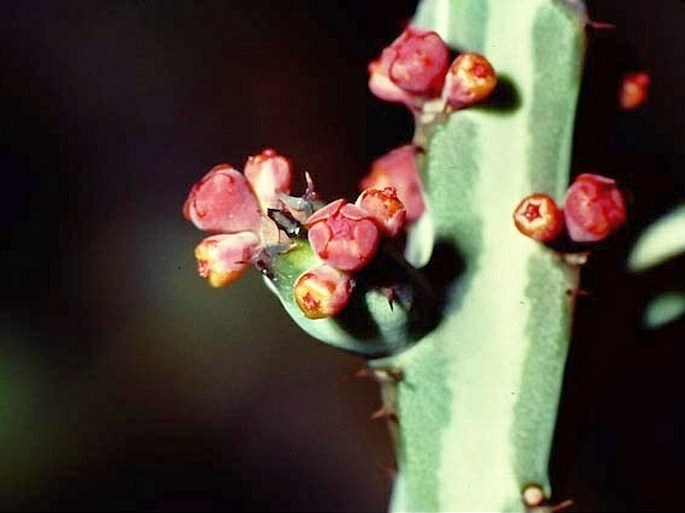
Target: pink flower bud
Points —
{"points": [[398, 169], [411, 69], [222, 201], [385, 209], [322, 291], [594, 208], [222, 259], [469, 80], [343, 235], [634, 90], [269, 174], [539, 218]]}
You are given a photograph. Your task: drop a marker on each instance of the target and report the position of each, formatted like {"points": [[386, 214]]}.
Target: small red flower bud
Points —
{"points": [[470, 79], [398, 169], [385, 209], [269, 174], [343, 235], [539, 218], [322, 291], [411, 69], [222, 259], [222, 201], [634, 90], [594, 208]]}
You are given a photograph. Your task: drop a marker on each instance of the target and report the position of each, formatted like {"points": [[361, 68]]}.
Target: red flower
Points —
{"points": [[343, 235], [227, 202], [269, 176], [385, 209], [634, 90], [594, 208], [322, 291], [410, 70], [222, 202], [469, 80], [539, 218], [224, 258], [398, 169]]}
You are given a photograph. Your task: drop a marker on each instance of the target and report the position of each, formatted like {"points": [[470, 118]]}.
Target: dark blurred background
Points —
{"points": [[127, 383]]}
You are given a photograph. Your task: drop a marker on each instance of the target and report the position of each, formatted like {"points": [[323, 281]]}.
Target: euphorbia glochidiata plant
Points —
{"points": [[454, 270]]}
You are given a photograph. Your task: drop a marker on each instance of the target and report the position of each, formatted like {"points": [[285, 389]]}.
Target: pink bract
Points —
{"points": [[411, 69], [398, 169], [343, 235], [269, 174], [224, 258], [222, 202], [385, 208], [594, 208]]}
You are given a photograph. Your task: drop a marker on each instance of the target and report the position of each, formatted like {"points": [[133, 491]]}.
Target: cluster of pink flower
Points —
{"points": [[594, 208], [238, 208], [416, 69]]}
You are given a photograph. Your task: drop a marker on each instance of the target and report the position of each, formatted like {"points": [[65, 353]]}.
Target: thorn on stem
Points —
{"points": [[561, 506], [576, 293], [310, 193], [385, 412], [382, 375], [600, 25]]}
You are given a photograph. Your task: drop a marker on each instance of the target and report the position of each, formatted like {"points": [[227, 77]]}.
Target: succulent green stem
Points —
{"points": [[477, 386], [478, 401]]}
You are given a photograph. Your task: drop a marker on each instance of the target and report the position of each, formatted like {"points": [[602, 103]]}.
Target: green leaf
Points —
{"points": [[661, 241], [663, 309]]}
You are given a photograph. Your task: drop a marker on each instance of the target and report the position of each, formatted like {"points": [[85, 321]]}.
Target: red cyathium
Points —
{"points": [[594, 208], [322, 291], [223, 202], [398, 169], [470, 79], [269, 174], [223, 258], [343, 235], [539, 218], [412, 69], [227, 202], [385, 208]]}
